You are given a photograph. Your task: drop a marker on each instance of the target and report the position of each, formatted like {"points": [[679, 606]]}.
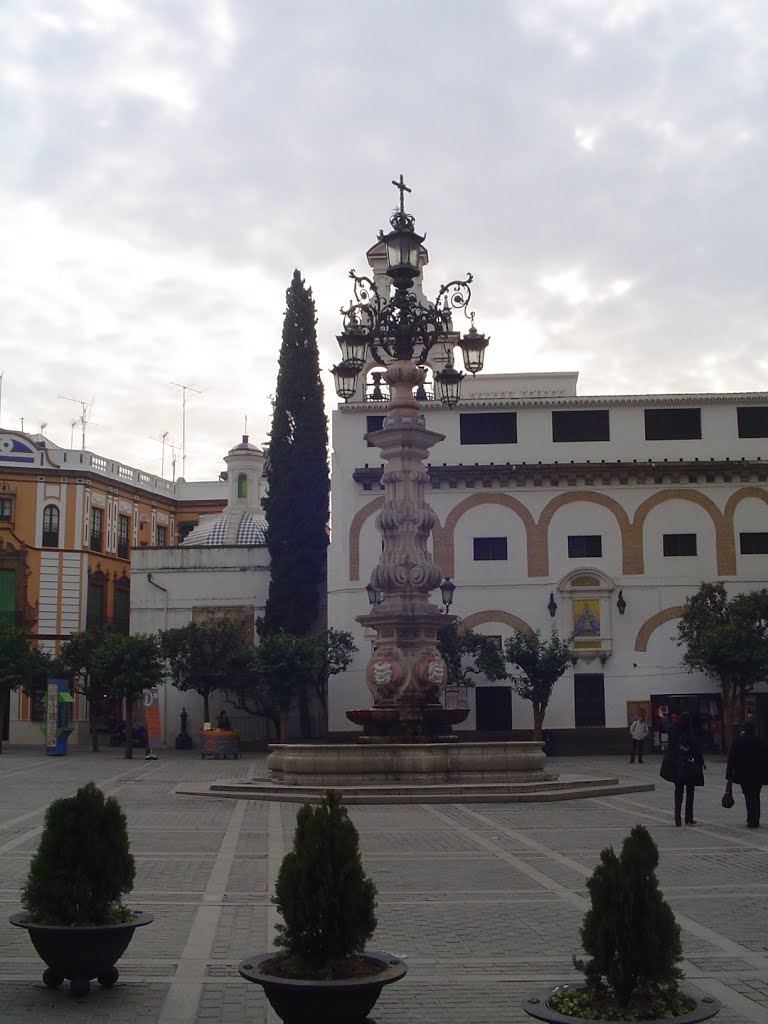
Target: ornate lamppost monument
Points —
{"points": [[407, 730]]}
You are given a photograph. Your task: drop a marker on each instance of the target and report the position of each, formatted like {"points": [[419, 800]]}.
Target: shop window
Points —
{"points": [[97, 526], [488, 428], [672, 424], [679, 545], [123, 528], [753, 543], [490, 549], [50, 526], [589, 699], [752, 420], [162, 536], [585, 546], [581, 425]]}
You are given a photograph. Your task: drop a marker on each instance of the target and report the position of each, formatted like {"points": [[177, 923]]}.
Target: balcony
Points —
{"points": [[97, 542], [123, 549]]}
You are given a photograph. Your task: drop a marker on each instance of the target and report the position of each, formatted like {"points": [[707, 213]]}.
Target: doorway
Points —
{"points": [[493, 708]]}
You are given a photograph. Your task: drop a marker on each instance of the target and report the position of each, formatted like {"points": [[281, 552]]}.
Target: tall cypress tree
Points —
{"points": [[297, 506]]}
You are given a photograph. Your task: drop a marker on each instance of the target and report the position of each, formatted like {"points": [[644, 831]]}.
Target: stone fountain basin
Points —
{"points": [[296, 764]]}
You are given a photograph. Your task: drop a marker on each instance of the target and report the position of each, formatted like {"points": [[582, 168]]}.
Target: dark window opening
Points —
{"points": [[679, 545], [589, 699], [585, 546], [50, 526], [95, 612], [97, 521], [162, 536], [123, 527], [488, 428], [754, 543], [373, 423], [581, 425], [493, 708], [752, 420], [122, 608], [672, 424], [185, 528], [490, 549]]}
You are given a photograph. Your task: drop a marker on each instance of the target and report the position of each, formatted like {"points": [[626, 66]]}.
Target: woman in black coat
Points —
{"points": [[748, 767], [683, 765]]}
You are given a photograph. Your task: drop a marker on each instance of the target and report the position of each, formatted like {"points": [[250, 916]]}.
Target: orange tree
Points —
{"points": [[727, 638], [20, 665], [541, 662], [124, 666]]}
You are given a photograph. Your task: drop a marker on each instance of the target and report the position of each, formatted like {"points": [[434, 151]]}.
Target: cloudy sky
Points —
{"points": [[599, 165]]}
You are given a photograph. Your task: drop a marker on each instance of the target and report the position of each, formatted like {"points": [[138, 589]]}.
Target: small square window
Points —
{"points": [[752, 420], [373, 423], [581, 425], [678, 545], [672, 424], [585, 546], [490, 549], [488, 428], [753, 543]]}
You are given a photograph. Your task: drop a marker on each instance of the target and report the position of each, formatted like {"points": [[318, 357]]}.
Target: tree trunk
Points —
{"points": [[91, 720], [206, 707], [129, 729], [538, 721], [733, 704], [284, 729]]}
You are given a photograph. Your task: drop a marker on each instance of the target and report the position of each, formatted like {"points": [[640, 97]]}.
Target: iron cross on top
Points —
{"points": [[403, 189]]}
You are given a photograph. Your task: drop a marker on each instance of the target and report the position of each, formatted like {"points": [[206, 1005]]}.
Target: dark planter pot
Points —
{"points": [[80, 954], [538, 1006], [347, 1001]]}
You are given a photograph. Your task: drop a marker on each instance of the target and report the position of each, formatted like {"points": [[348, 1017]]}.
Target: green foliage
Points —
{"points": [[208, 656], [76, 656], [630, 932], [123, 665], [727, 638], [20, 663], [467, 654], [542, 662], [327, 903], [83, 865], [297, 505]]}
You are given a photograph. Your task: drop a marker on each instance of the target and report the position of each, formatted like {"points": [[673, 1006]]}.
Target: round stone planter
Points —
{"points": [[346, 1001], [80, 954], [537, 1005]]}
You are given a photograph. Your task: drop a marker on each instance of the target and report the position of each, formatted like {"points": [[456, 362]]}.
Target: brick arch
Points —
{"points": [[738, 496], [652, 624], [443, 537], [629, 554], [724, 543], [495, 615], [355, 527]]}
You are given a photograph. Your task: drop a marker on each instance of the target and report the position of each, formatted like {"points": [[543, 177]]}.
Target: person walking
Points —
{"points": [[748, 768], [683, 765], [638, 731]]}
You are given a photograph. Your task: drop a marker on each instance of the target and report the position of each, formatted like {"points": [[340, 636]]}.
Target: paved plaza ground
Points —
{"points": [[484, 900]]}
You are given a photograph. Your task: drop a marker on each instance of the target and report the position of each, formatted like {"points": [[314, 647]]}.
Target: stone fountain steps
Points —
{"points": [[566, 787]]}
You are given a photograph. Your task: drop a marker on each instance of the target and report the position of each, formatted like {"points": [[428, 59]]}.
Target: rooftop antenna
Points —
{"points": [[43, 425], [72, 426], [85, 412], [184, 389], [162, 438], [174, 449]]}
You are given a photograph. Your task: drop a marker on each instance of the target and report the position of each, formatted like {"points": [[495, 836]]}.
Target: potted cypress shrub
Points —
{"points": [[73, 894], [323, 971], [633, 941]]}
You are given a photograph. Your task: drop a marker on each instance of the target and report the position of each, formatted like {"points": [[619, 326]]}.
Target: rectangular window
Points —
{"points": [[752, 420], [678, 545], [373, 423], [94, 616], [490, 549], [123, 526], [122, 610], [754, 543], [162, 536], [6, 509], [581, 425], [672, 424], [97, 522], [589, 699], [585, 546], [488, 428]]}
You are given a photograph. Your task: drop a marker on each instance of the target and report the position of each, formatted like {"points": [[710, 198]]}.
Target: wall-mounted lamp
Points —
{"points": [[374, 596], [447, 588], [621, 604], [552, 606]]}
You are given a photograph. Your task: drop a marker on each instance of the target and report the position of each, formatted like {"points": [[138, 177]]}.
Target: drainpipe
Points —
{"points": [[165, 685]]}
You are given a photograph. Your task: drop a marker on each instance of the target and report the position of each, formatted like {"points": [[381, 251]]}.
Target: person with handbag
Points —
{"points": [[748, 768], [683, 765], [638, 731]]}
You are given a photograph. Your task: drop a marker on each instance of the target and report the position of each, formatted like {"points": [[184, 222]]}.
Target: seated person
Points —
{"points": [[223, 721]]}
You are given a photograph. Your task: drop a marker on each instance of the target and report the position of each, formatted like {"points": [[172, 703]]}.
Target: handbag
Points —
{"points": [[728, 800]]}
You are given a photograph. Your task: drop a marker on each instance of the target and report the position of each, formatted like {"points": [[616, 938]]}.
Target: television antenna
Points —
{"points": [[85, 412], [184, 389], [162, 440]]}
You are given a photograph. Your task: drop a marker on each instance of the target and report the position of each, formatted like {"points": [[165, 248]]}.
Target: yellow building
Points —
{"points": [[68, 521]]}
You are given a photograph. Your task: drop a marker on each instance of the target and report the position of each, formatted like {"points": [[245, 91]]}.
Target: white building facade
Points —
{"points": [[594, 515]]}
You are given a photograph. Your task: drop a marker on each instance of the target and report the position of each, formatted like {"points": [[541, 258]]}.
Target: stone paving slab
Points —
{"points": [[485, 900]]}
